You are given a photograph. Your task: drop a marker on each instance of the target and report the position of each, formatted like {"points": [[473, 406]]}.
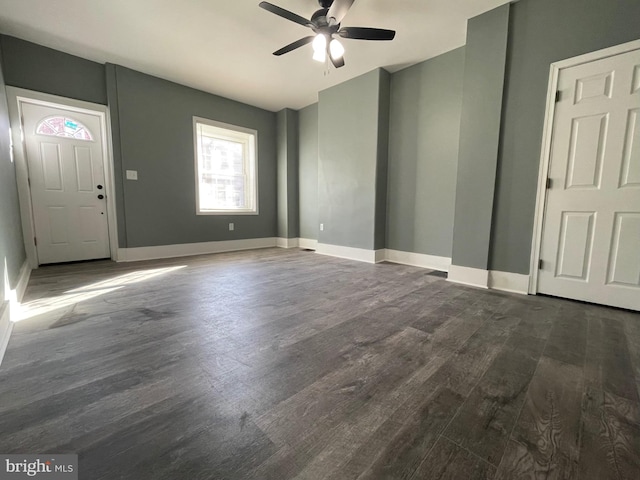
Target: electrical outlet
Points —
{"points": [[231, 227], [132, 174], [321, 226]]}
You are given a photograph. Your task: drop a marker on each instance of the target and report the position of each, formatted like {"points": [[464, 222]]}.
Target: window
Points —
{"points": [[58, 126], [226, 168]]}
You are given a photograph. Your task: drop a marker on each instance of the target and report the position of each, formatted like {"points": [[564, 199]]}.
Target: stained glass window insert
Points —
{"points": [[59, 126]]}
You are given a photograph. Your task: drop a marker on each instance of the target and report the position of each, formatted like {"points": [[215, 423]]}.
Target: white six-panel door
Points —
{"points": [[66, 175], [590, 246]]}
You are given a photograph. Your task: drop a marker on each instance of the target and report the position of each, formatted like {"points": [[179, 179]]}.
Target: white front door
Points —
{"points": [[591, 235], [66, 174]]}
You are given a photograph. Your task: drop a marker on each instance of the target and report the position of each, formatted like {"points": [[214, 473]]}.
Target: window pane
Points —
{"points": [[225, 169], [59, 126]]}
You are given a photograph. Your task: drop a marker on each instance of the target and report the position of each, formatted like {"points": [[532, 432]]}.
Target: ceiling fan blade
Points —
{"points": [[366, 33], [294, 45], [337, 62], [338, 10], [285, 14]]}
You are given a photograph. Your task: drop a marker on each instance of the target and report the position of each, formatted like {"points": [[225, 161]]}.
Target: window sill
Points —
{"points": [[228, 213]]}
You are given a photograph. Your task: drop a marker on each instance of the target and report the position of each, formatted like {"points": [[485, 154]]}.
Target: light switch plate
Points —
{"points": [[132, 174]]}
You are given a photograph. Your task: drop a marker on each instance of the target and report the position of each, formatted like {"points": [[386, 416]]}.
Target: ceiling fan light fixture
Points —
{"points": [[336, 49], [320, 48], [326, 23], [320, 56]]}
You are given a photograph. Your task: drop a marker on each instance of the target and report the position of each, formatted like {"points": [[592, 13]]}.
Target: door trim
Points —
{"points": [[545, 153], [16, 97]]}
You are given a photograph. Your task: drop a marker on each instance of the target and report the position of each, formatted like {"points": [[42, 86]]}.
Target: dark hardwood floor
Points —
{"points": [[279, 364]]}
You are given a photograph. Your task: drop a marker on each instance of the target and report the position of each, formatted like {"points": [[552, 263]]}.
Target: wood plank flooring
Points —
{"points": [[282, 364]]}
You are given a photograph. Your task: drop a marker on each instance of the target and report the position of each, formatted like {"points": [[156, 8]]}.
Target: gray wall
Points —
{"points": [[382, 161], [43, 69], [152, 132], [111, 72], [348, 130], [155, 119], [11, 243], [308, 171], [541, 32], [342, 188], [479, 136], [288, 213], [424, 131]]}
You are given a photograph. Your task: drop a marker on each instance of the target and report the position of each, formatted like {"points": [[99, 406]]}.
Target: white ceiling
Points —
{"points": [[224, 47]]}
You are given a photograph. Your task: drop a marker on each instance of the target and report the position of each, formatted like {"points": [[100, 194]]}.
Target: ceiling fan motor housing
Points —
{"points": [[319, 18]]}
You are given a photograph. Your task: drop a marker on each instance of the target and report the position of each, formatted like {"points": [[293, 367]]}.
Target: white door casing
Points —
{"points": [[590, 244], [66, 177]]}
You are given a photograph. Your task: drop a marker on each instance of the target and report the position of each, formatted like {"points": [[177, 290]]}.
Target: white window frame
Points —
{"points": [[237, 134]]}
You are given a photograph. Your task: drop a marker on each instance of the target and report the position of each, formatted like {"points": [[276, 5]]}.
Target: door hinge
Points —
{"points": [[558, 95], [539, 264], [549, 183], [35, 241]]}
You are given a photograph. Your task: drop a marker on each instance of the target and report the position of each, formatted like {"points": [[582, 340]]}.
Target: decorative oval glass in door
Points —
{"points": [[59, 126]]}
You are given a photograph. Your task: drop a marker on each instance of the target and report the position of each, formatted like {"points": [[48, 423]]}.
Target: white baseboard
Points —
{"points": [[422, 260], [493, 279], [509, 282], [350, 253], [6, 325], [23, 281], [376, 256], [9, 308], [474, 277], [189, 249], [287, 242], [309, 243]]}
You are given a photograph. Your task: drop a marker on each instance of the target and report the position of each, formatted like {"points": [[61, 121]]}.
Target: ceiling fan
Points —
{"points": [[325, 23]]}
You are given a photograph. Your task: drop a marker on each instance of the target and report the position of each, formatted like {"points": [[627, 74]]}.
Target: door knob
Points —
{"points": [[99, 187], [100, 197]]}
